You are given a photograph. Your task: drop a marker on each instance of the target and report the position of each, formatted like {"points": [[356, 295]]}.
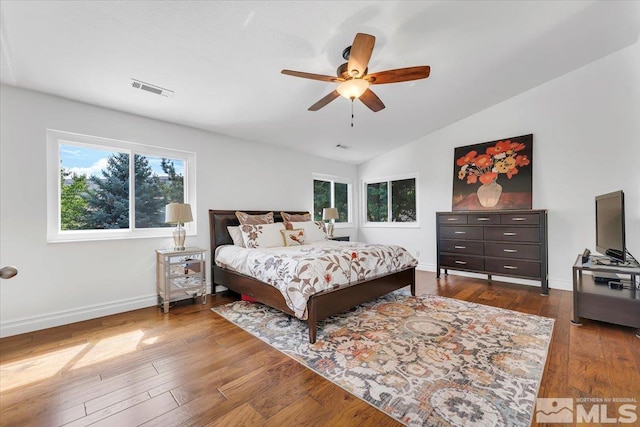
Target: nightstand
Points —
{"points": [[180, 275], [340, 238]]}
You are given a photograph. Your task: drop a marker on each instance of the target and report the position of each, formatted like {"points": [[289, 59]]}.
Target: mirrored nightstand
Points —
{"points": [[180, 275]]}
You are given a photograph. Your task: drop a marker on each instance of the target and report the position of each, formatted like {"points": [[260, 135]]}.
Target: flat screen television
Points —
{"points": [[610, 239]]}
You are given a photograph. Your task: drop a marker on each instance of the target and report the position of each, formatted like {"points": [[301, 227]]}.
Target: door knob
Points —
{"points": [[8, 272]]}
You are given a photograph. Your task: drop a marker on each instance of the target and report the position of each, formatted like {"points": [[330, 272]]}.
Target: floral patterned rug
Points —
{"points": [[424, 360]]}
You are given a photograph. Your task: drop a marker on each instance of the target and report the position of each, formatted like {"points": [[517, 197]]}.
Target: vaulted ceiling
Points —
{"points": [[223, 60]]}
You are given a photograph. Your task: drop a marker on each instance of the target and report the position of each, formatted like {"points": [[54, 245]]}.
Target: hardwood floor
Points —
{"points": [[190, 367]]}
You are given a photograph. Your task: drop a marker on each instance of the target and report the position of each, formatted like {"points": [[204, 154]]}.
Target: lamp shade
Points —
{"points": [[177, 213], [329, 213], [353, 88]]}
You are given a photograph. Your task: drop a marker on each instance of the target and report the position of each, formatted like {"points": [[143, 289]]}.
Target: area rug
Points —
{"points": [[424, 360]]}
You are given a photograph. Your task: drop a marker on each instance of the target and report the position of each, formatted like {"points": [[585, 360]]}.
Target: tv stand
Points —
{"points": [[614, 301]]}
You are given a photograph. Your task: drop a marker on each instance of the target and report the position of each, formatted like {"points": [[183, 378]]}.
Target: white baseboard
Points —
{"points": [[50, 320], [80, 314], [560, 284]]}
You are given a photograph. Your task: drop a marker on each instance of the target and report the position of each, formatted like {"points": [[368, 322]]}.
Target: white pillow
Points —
{"points": [[313, 230], [236, 236], [262, 235]]}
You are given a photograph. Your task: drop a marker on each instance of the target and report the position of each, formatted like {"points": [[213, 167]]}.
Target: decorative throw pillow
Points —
{"points": [[236, 236], [293, 237], [245, 218], [313, 230], [262, 235], [289, 218]]}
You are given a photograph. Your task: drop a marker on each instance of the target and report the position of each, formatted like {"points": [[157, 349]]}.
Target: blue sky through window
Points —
{"points": [[91, 161]]}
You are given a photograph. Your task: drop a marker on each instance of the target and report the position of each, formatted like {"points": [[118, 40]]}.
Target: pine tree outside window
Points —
{"points": [[107, 189]]}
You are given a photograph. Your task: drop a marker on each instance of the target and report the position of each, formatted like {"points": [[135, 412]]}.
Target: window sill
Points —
{"points": [[390, 225], [92, 236]]}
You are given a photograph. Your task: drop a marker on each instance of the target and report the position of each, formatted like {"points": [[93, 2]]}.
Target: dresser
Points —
{"points": [[505, 243]]}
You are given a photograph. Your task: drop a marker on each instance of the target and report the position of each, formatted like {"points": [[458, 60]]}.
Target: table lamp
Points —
{"points": [[178, 213], [330, 214]]}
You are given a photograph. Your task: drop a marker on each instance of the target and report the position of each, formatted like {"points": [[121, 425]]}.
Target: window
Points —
{"points": [[332, 192], [391, 200], [91, 194]]}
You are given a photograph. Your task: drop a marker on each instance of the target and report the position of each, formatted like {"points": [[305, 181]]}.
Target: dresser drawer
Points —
{"points": [[458, 247], [465, 233], [512, 250], [452, 219], [462, 261], [512, 267], [483, 219], [512, 234], [520, 219]]}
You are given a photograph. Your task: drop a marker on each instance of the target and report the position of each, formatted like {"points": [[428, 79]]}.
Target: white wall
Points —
{"points": [[586, 130], [59, 283]]}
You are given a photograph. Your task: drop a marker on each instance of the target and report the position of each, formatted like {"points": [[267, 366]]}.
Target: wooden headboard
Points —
{"points": [[219, 220]]}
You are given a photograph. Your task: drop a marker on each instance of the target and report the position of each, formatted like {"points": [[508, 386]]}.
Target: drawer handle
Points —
{"points": [[510, 267], [459, 247], [452, 219], [510, 234], [461, 262], [518, 218], [510, 250], [460, 232], [483, 219]]}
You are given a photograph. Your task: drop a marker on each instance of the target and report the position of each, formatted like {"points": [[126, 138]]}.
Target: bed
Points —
{"points": [[320, 305]]}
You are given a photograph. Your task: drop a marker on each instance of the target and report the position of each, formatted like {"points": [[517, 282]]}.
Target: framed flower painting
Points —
{"points": [[493, 175]]}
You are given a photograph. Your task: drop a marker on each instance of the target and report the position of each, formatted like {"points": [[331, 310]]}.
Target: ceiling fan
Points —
{"points": [[353, 78]]}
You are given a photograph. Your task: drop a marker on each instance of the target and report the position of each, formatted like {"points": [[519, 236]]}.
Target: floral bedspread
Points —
{"points": [[301, 271]]}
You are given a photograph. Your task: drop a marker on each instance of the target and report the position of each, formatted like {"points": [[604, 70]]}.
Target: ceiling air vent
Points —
{"points": [[137, 84]]}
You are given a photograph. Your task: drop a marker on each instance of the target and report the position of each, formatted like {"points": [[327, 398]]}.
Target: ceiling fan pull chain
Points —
{"points": [[352, 111]]}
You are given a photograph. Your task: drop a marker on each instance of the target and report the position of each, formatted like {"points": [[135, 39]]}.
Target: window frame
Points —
{"points": [[388, 224], [340, 180], [56, 138]]}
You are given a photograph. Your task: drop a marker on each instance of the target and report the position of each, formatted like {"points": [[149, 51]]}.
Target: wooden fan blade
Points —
{"points": [[399, 75], [324, 101], [312, 76], [371, 100], [360, 54]]}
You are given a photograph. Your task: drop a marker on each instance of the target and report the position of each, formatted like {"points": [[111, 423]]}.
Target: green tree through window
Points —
{"points": [[398, 206], [102, 201], [403, 200], [108, 198], [330, 194], [150, 197], [73, 206], [377, 206], [321, 198]]}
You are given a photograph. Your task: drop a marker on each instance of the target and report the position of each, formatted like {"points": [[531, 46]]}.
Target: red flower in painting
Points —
{"points": [[522, 160], [483, 161], [500, 147], [518, 146], [488, 177], [472, 179], [512, 172], [467, 158]]}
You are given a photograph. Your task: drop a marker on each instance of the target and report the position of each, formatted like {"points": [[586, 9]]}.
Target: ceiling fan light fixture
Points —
{"points": [[353, 88]]}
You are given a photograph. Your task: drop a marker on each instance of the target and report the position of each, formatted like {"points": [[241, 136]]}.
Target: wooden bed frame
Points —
{"points": [[321, 305]]}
